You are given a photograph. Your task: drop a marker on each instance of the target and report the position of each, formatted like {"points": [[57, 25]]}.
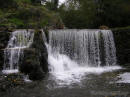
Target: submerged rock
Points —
{"points": [[11, 80]]}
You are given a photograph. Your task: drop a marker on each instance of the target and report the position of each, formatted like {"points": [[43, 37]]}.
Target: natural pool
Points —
{"points": [[106, 84]]}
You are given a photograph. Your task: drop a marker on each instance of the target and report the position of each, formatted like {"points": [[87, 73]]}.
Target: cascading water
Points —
{"points": [[19, 40], [71, 53]]}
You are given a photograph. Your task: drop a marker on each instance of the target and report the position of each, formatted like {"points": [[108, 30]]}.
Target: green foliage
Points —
{"points": [[24, 1], [94, 13], [79, 14], [16, 21], [27, 15], [53, 5], [49, 5], [114, 13]]}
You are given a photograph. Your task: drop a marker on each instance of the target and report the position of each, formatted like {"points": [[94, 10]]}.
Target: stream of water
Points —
{"points": [[19, 40], [74, 53]]}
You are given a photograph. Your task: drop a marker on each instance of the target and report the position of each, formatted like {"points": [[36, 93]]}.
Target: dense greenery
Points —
{"points": [[94, 13], [27, 14], [74, 13]]}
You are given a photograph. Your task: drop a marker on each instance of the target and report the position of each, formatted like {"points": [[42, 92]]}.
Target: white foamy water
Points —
{"points": [[19, 40], [10, 71], [124, 78], [74, 53], [26, 79], [68, 72]]}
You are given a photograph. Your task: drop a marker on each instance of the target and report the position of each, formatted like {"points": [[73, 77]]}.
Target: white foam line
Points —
{"points": [[76, 75], [10, 71]]}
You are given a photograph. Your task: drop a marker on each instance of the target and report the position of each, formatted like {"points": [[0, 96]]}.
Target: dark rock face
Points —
{"points": [[122, 41], [34, 62], [4, 38], [41, 50]]}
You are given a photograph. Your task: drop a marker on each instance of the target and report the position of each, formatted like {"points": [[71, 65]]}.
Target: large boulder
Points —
{"points": [[34, 62]]}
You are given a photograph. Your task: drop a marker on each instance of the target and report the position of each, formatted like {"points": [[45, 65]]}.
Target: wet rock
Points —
{"points": [[34, 62], [11, 80], [3, 28], [4, 38], [30, 65], [122, 41], [41, 50]]}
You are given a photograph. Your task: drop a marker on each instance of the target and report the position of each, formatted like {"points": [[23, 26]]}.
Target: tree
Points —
{"points": [[36, 1], [114, 13], [79, 14], [7, 4], [94, 13], [55, 4]]}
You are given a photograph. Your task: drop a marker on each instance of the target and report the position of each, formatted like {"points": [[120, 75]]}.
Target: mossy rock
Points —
{"points": [[34, 63]]}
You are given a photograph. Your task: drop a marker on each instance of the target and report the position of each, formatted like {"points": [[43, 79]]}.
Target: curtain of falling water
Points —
{"points": [[84, 47], [19, 40]]}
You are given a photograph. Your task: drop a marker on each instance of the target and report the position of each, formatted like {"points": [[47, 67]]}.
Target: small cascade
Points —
{"points": [[19, 40], [69, 49], [44, 36]]}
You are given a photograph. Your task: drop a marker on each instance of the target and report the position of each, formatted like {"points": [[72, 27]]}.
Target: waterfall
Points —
{"points": [[19, 40], [69, 49]]}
